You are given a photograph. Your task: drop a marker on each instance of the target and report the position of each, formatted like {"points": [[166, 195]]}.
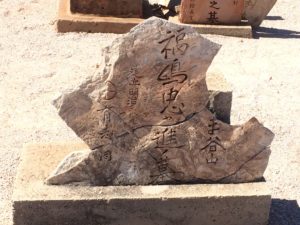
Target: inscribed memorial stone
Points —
{"points": [[143, 114], [211, 12], [121, 8]]}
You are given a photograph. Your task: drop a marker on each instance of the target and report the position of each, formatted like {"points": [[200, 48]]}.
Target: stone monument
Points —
{"points": [[120, 8], [256, 10], [211, 12], [156, 152], [144, 117], [220, 12]]}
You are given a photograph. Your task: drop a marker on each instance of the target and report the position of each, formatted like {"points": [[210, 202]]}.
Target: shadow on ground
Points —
{"points": [[265, 32], [284, 212], [274, 18]]}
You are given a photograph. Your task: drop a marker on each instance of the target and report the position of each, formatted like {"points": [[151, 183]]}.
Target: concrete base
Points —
{"points": [[35, 203], [243, 30], [76, 22]]}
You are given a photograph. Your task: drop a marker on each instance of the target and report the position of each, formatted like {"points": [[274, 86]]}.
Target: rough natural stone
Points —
{"points": [[211, 12], [257, 10], [121, 8], [143, 114]]}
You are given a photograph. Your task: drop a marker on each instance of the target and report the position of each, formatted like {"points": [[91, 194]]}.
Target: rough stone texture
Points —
{"points": [[122, 8], [143, 114], [35, 203], [211, 12], [257, 10], [36, 67]]}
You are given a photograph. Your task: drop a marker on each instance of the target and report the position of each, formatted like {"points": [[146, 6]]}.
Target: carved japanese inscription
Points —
{"points": [[213, 143], [211, 11], [144, 117]]}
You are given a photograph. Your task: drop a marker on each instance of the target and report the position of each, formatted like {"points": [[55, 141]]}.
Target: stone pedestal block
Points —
{"points": [[121, 8], [209, 204]]}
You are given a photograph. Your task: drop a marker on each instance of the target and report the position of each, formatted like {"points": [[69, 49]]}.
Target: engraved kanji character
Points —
{"points": [[169, 97], [213, 127], [213, 4], [213, 141], [213, 17], [172, 48], [172, 73]]}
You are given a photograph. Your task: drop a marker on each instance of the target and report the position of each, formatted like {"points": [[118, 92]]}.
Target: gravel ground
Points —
{"points": [[36, 64]]}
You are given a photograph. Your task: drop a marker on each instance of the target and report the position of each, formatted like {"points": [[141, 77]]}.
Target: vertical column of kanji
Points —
{"points": [[171, 78], [214, 143], [213, 12], [187, 11], [105, 131], [165, 142], [134, 83]]}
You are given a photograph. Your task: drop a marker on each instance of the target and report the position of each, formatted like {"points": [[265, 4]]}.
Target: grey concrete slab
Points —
{"points": [[36, 203]]}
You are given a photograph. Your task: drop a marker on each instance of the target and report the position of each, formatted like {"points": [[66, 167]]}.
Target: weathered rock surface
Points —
{"points": [[143, 114], [257, 10]]}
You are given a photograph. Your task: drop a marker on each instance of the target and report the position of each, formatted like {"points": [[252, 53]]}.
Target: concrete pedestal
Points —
{"points": [[206, 204]]}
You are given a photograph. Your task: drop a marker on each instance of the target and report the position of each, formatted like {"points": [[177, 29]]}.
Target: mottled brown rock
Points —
{"points": [[257, 10], [143, 114], [211, 12], [120, 8]]}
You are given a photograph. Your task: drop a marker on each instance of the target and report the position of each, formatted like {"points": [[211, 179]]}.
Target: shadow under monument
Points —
{"points": [[284, 212], [266, 32], [274, 18]]}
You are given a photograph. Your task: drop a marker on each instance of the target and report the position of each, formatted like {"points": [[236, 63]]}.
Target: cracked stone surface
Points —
{"points": [[143, 114]]}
